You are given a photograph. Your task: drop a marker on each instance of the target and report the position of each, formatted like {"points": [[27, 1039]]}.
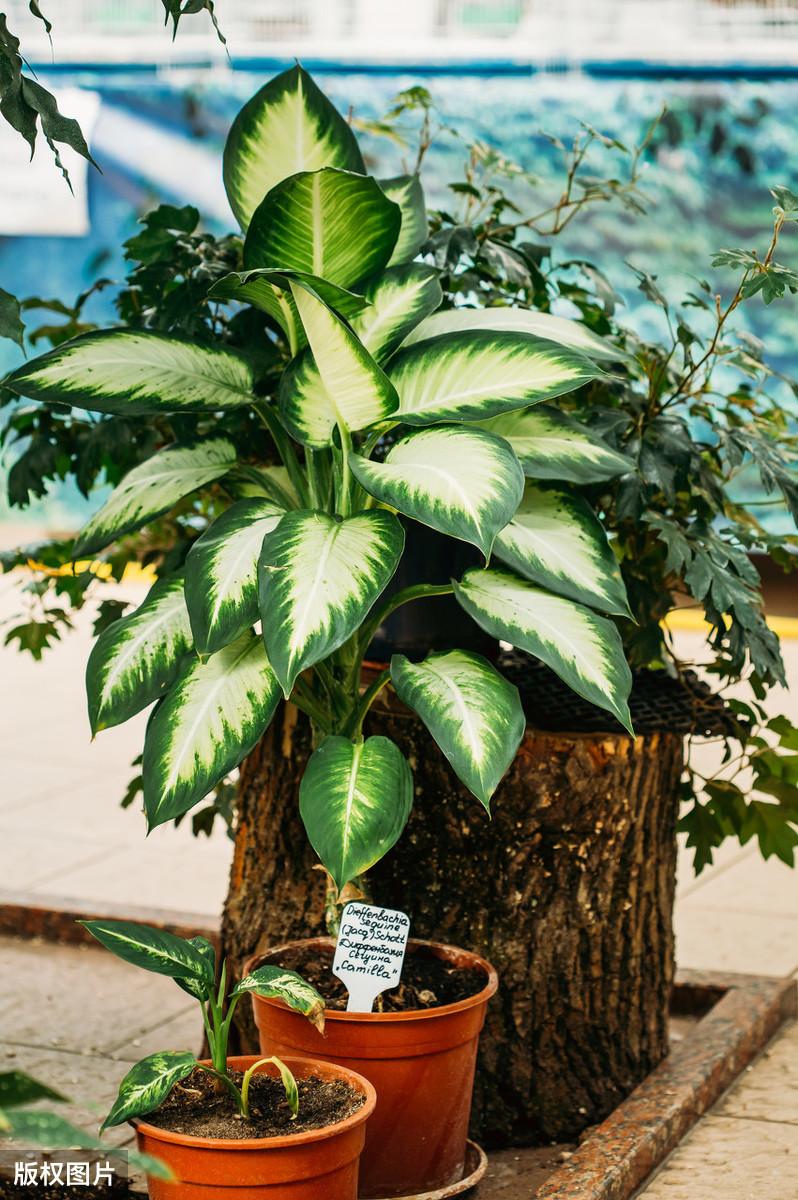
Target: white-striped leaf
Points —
{"points": [[355, 799], [318, 579], [330, 223], [154, 949], [552, 446], [288, 126], [519, 320], [267, 290], [134, 660], [153, 487], [407, 192], [148, 1083], [475, 375], [209, 720], [342, 385], [222, 573], [400, 298], [136, 374], [292, 989], [584, 649], [269, 483], [473, 713], [556, 540], [460, 481]]}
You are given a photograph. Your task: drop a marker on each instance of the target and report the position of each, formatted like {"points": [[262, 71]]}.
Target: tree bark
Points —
{"points": [[568, 890]]}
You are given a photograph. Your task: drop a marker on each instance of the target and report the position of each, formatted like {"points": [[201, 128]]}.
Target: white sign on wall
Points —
{"points": [[34, 197], [370, 952]]}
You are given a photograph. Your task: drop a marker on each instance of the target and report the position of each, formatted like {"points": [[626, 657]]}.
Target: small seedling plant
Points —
{"points": [[192, 963]]}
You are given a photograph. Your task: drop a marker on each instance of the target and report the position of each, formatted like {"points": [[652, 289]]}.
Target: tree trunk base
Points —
{"points": [[568, 890]]}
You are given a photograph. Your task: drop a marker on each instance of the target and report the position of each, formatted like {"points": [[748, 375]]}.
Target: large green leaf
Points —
{"points": [[48, 1129], [552, 446], [148, 1083], [136, 374], [137, 657], [355, 799], [222, 573], [472, 712], [330, 223], [407, 192], [266, 289], [18, 1088], [460, 481], [518, 320], [319, 577], [153, 487], [292, 989], [400, 298], [153, 949], [340, 385], [475, 375], [288, 126], [585, 650], [210, 719], [556, 540]]}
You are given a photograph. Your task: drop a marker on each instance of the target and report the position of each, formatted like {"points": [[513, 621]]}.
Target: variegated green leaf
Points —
{"points": [[292, 989], [136, 658], [222, 573], [585, 650], [556, 540], [152, 488], [355, 800], [47, 1129], [552, 446], [460, 481], [148, 1083], [201, 988], [153, 949], [288, 126], [400, 298], [136, 374], [475, 375], [407, 192], [209, 720], [518, 320], [17, 1088], [269, 483], [341, 385], [330, 223], [319, 577], [473, 713], [267, 290]]}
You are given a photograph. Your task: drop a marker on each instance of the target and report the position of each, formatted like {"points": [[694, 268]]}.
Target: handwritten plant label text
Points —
{"points": [[370, 952]]}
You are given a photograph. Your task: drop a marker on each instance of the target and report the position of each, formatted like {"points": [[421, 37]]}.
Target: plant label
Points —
{"points": [[370, 952]]}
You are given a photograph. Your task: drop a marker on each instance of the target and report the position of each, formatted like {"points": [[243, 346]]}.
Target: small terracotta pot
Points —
{"points": [[302, 1166], [420, 1062]]}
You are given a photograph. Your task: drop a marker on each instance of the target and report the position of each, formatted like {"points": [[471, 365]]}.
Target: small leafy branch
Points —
{"points": [[192, 964]]}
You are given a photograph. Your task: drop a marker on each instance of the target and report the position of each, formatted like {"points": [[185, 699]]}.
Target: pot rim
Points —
{"points": [[283, 1141], [413, 1014]]}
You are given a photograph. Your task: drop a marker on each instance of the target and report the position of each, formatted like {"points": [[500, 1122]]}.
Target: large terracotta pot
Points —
{"points": [[421, 1064], [303, 1166]]}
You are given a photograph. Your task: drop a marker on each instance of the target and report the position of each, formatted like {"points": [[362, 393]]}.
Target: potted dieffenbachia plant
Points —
{"points": [[380, 417], [379, 420], [252, 1126]]}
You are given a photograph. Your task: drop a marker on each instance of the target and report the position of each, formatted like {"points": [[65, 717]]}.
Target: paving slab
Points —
{"points": [[77, 998], [768, 1089], [32, 857], [733, 1159], [711, 939], [182, 1032], [751, 884]]}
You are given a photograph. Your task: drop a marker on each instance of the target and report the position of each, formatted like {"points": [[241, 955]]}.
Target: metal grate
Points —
{"points": [[658, 703]]}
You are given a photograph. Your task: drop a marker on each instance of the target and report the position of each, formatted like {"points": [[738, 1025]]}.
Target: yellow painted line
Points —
{"points": [[692, 620]]}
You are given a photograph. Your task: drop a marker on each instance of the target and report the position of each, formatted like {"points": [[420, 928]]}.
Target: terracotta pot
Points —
{"points": [[421, 1063], [302, 1166]]}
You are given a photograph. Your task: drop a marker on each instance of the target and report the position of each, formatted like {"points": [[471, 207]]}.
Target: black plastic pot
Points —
{"points": [[438, 623]]}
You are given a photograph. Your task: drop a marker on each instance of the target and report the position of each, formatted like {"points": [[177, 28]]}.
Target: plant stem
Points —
{"points": [[284, 449], [304, 700], [355, 724], [344, 495]]}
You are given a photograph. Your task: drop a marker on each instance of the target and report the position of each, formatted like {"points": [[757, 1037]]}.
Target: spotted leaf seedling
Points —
{"points": [[193, 966]]}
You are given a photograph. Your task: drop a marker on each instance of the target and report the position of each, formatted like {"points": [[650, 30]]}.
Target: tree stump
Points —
{"points": [[569, 891]]}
